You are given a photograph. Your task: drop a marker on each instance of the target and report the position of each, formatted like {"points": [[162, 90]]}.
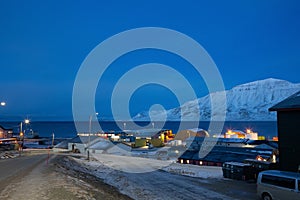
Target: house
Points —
{"points": [[288, 123], [183, 135], [5, 133], [152, 137], [79, 143], [194, 143], [221, 154], [263, 143], [225, 150]]}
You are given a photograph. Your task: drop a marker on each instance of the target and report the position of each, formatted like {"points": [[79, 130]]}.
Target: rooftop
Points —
{"points": [[223, 154], [290, 103]]}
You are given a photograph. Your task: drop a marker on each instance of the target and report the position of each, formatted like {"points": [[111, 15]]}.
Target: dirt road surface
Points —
{"points": [[33, 177], [39, 176]]}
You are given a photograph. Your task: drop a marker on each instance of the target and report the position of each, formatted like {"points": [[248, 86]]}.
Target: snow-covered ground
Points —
{"points": [[155, 184], [130, 164], [195, 171]]}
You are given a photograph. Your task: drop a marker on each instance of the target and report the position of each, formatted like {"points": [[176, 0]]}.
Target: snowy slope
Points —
{"points": [[246, 102]]}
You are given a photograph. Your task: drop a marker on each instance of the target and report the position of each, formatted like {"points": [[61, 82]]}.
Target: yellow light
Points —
{"points": [[21, 134], [248, 130], [229, 131]]}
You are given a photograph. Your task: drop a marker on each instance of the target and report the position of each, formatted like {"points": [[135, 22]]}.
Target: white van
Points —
{"points": [[274, 184]]}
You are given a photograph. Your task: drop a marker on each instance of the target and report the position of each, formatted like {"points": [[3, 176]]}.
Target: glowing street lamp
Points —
{"points": [[22, 136], [3, 103], [26, 121]]}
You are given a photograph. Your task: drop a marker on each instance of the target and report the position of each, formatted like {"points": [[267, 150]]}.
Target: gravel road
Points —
{"points": [[39, 176], [33, 177]]}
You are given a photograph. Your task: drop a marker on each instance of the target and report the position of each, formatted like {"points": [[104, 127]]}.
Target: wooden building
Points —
{"points": [[288, 122], [5, 133]]}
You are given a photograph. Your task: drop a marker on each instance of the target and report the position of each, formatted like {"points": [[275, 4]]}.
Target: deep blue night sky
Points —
{"points": [[43, 44]]}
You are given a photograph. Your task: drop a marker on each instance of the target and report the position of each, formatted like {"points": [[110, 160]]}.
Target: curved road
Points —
{"points": [[34, 176]]}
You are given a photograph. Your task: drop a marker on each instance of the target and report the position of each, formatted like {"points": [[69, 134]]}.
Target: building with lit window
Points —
{"points": [[288, 123], [5, 133]]}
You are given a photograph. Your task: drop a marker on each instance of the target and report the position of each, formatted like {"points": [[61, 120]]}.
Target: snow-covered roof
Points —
{"points": [[264, 146], [225, 140], [216, 156], [5, 129], [196, 129], [233, 154], [259, 142], [101, 144], [62, 145]]}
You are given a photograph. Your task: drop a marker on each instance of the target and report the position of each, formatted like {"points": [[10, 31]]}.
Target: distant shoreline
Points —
{"points": [[67, 129]]}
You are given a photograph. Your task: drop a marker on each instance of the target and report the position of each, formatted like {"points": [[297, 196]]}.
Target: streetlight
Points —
{"points": [[52, 140], [90, 132], [26, 121], [22, 135], [3, 103]]}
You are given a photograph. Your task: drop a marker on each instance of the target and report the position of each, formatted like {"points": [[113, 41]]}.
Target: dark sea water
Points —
{"points": [[68, 129]]}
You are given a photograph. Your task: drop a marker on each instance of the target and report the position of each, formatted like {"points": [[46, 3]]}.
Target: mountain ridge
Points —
{"points": [[245, 102]]}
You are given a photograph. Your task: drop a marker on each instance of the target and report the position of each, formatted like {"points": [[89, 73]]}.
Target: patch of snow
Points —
{"points": [[131, 164], [194, 170], [158, 184]]}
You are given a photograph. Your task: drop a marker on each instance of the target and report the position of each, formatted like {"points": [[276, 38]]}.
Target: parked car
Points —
{"points": [[275, 184]]}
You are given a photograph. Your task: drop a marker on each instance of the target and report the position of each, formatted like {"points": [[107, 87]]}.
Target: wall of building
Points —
{"points": [[5, 133], [289, 139]]}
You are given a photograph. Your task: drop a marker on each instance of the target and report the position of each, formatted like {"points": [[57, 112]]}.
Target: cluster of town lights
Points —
{"points": [[248, 130]]}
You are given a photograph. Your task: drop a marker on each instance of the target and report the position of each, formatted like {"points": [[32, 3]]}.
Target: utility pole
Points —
{"points": [[52, 140], [90, 130]]}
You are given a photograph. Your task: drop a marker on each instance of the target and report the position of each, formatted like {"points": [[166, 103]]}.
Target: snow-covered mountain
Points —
{"points": [[246, 102]]}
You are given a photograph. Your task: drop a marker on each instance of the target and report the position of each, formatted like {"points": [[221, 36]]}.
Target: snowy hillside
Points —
{"points": [[246, 102]]}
